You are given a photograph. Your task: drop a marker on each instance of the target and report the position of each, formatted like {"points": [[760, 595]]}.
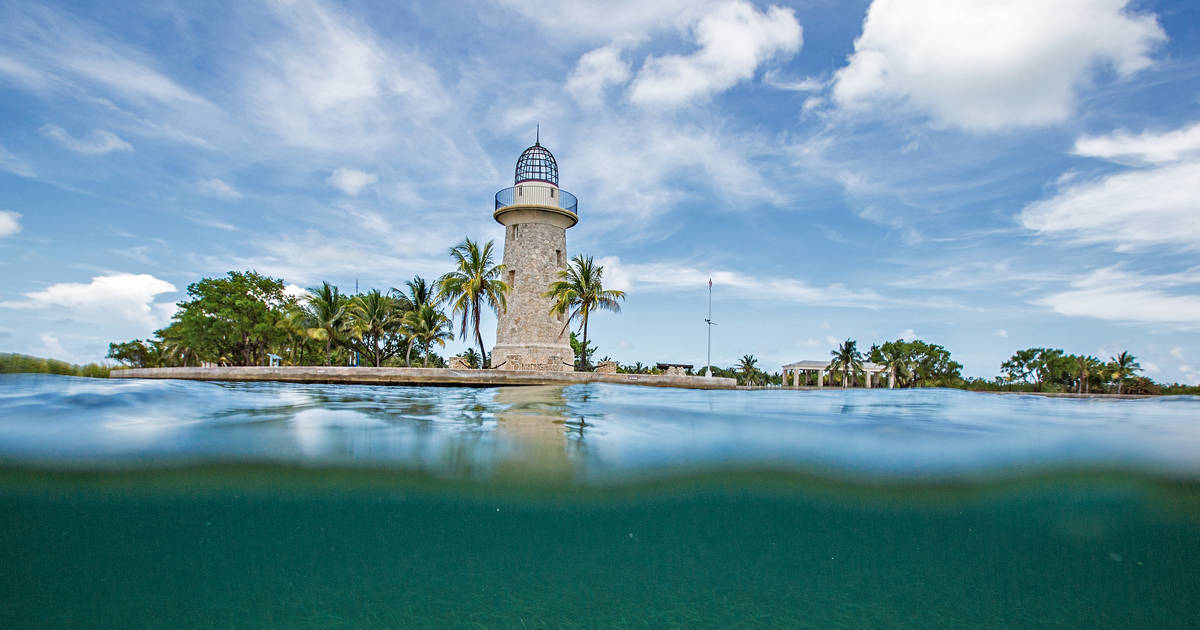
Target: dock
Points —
{"points": [[427, 377]]}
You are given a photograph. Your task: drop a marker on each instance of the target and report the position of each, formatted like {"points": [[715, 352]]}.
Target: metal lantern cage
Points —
{"points": [[536, 164]]}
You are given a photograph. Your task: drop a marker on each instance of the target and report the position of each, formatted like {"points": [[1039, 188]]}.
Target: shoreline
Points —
{"points": [[435, 377]]}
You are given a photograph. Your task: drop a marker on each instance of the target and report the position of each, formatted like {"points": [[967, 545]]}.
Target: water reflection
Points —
{"points": [[533, 422], [581, 431]]}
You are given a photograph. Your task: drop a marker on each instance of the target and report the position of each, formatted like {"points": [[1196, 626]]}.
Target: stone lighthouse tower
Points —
{"points": [[535, 214]]}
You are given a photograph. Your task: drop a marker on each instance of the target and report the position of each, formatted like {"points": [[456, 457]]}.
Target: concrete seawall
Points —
{"points": [[419, 376]]}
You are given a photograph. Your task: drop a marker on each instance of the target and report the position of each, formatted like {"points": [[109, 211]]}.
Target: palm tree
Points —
{"points": [[1124, 365], [896, 361], [374, 316], [748, 365], [846, 358], [475, 283], [325, 315], [428, 326], [471, 357], [420, 292], [580, 290]]}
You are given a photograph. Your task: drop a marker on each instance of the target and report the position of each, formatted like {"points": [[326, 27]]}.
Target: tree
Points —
{"points": [[1123, 366], [1085, 367], [580, 290], [848, 359], [229, 320], [420, 292], [375, 320], [472, 358], [474, 284], [749, 367], [427, 325], [138, 353], [1021, 365], [578, 349], [325, 316]]}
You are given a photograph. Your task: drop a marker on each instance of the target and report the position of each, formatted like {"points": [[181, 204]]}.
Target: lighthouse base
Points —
{"points": [[556, 357]]}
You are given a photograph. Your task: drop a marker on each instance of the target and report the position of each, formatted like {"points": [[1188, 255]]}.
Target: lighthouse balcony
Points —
{"points": [[537, 194]]}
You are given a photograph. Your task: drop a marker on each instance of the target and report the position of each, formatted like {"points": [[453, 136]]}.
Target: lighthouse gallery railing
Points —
{"points": [[561, 198]]}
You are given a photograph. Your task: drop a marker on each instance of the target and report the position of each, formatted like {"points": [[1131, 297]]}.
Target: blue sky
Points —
{"points": [[984, 175]]}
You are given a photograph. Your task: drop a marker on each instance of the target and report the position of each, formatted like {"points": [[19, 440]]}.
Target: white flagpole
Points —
{"points": [[709, 322]]}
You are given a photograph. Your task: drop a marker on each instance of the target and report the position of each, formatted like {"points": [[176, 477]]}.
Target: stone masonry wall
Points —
{"points": [[528, 337]]}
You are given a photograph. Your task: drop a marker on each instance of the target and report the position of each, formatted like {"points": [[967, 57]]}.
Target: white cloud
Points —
{"points": [[326, 82], [99, 142], [987, 65], [1131, 210], [60, 49], [595, 71], [598, 21], [10, 223], [1177, 352], [218, 188], [807, 84], [123, 295], [1118, 295], [908, 334], [1144, 148], [734, 39], [1002, 333], [351, 181]]}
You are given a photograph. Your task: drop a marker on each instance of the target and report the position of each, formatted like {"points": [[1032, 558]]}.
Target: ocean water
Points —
{"points": [[164, 504]]}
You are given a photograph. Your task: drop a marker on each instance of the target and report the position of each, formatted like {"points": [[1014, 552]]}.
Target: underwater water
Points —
{"points": [[168, 504]]}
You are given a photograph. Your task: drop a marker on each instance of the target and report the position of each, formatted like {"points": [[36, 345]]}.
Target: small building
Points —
{"points": [[807, 369]]}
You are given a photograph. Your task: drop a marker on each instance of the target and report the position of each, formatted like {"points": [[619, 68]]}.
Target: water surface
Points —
{"points": [[196, 505]]}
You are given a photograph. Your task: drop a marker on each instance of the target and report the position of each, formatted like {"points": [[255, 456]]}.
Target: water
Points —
{"points": [[197, 505]]}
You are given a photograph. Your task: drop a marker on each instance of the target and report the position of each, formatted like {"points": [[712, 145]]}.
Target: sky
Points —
{"points": [[985, 175]]}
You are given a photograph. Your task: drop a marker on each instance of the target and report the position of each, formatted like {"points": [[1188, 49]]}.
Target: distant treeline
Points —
{"points": [[25, 364]]}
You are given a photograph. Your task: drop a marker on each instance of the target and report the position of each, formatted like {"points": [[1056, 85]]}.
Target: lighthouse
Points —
{"points": [[535, 214]]}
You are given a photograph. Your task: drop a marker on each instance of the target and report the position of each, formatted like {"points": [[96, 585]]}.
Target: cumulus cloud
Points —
{"points": [[99, 142], [123, 295], [10, 223], [351, 181], [595, 71], [1118, 295], [734, 39], [218, 188], [1144, 148], [988, 65]]}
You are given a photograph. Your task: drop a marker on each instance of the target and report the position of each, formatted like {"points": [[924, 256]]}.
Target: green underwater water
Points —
{"points": [[235, 546], [172, 504]]}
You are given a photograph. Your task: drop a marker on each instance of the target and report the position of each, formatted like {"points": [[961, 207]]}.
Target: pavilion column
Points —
{"points": [[795, 378], [820, 378]]}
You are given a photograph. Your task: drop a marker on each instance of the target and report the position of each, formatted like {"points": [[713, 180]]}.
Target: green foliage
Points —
{"points": [[25, 364], [232, 320], [578, 291], [472, 358], [473, 284], [1052, 370], [581, 356], [847, 359], [374, 325], [917, 364]]}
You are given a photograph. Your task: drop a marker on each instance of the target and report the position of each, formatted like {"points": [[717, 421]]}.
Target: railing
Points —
{"points": [[538, 195]]}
